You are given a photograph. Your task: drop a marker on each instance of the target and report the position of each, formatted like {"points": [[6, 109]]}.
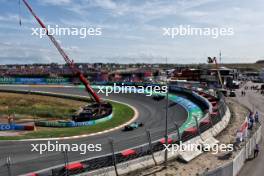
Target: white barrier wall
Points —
{"points": [[233, 167], [246, 152]]}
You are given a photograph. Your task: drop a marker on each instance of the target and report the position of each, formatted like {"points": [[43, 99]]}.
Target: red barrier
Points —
{"points": [[32, 174], [244, 126], [163, 141], [205, 122], [206, 96], [29, 128], [211, 99], [202, 94], [214, 103], [128, 152], [191, 130], [74, 166], [215, 108], [214, 113]]}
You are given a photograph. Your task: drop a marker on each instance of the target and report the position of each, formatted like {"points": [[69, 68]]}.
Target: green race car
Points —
{"points": [[133, 126]]}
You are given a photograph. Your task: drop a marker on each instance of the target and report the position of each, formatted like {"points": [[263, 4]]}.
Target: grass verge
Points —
{"points": [[122, 114]]}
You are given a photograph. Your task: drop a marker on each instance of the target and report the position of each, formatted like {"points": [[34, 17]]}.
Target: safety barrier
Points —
{"points": [[63, 124], [233, 167], [146, 160], [9, 127]]}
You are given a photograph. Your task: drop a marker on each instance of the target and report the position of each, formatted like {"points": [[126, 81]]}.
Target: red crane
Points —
{"points": [[69, 62]]}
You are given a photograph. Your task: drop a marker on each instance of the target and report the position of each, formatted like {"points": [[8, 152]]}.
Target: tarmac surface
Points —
{"points": [[151, 113]]}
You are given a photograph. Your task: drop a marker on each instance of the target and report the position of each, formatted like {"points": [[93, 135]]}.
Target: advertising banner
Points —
{"points": [[7, 80], [57, 80], [25, 80], [30, 81]]}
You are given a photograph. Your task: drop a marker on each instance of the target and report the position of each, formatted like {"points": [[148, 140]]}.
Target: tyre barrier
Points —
{"points": [[128, 152], [15, 127], [189, 134], [74, 168], [67, 124]]}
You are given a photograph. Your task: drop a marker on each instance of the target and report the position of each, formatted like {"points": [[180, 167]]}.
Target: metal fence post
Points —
{"points": [[111, 141], [66, 161], [8, 165], [210, 119], [150, 146], [220, 110], [178, 131], [197, 124]]}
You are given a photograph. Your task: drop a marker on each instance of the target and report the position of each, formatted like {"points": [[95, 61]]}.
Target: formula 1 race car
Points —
{"points": [[133, 126]]}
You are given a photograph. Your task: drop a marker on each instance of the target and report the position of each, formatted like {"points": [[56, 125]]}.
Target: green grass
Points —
{"points": [[38, 106], [122, 114]]}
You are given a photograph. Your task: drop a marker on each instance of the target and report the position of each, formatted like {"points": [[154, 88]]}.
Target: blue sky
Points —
{"points": [[132, 30]]}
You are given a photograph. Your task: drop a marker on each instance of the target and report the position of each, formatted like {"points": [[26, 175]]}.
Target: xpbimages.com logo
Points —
{"points": [[214, 148], [187, 30], [126, 89], [82, 32], [59, 147]]}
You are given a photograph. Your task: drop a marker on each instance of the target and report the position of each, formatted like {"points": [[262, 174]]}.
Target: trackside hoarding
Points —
{"points": [[11, 80]]}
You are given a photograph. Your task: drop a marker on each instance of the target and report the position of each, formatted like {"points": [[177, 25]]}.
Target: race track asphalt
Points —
{"points": [[151, 113]]}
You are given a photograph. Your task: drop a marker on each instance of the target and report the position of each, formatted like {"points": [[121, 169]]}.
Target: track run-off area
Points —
{"points": [[150, 112]]}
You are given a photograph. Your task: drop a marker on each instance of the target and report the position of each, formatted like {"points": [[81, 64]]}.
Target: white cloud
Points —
{"points": [[132, 29], [55, 2]]}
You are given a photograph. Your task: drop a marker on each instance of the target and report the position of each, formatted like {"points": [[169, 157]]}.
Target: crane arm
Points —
{"points": [[214, 60], [218, 72], [69, 62]]}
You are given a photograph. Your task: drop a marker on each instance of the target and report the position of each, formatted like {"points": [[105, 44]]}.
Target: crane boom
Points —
{"points": [[69, 62], [219, 74]]}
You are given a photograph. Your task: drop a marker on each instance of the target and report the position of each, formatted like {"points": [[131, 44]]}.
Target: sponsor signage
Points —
{"points": [[6, 127]]}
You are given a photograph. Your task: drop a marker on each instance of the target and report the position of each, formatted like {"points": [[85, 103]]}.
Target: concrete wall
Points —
{"points": [[233, 167]]}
